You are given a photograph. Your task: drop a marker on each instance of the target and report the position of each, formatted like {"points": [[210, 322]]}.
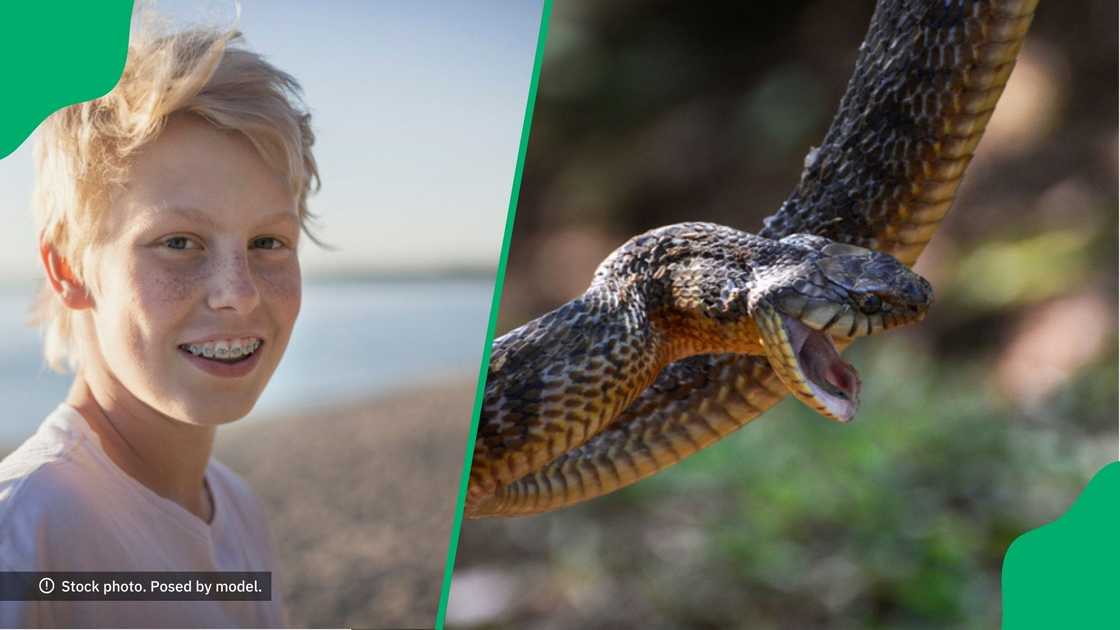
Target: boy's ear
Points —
{"points": [[73, 293]]}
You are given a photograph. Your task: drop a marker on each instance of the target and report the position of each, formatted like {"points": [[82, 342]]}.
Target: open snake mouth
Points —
{"points": [[832, 380], [807, 361]]}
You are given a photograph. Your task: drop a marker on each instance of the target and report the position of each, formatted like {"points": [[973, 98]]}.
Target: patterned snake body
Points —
{"points": [[926, 81]]}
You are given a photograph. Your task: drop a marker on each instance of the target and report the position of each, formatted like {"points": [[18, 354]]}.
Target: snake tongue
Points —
{"points": [[833, 383]]}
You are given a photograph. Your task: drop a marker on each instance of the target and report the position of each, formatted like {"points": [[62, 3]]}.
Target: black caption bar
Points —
{"points": [[135, 586]]}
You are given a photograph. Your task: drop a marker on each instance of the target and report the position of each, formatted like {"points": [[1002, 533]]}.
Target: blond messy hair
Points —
{"points": [[83, 151]]}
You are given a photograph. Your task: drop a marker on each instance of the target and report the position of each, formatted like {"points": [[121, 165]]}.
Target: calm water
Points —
{"points": [[351, 341]]}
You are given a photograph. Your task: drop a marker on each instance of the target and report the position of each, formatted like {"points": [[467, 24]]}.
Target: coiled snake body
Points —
{"points": [[690, 331]]}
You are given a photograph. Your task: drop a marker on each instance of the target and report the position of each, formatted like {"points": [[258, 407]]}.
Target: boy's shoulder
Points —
{"points": [[51, 463], [44, 486], [55, 439]]}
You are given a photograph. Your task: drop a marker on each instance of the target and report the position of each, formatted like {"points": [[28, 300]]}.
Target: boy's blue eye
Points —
{"points": [[178, 242], [267, 242]]}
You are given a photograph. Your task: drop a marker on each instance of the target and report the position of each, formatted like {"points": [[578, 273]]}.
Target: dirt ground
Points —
{"points": [[360, 500]]}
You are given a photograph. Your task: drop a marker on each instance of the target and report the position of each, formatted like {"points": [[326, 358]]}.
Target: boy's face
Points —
{"points": [[199, 258]]}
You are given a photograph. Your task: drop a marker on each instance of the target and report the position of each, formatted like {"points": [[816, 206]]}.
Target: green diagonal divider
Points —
{"points": [[495, 302], [1067, 574], [56, 54]]}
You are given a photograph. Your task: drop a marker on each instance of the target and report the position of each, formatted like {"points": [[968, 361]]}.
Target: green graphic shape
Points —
{"points": [[56, 54], [1067, 574]]}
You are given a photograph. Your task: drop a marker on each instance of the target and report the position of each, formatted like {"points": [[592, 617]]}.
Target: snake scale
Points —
{"points": [[596, 395]]}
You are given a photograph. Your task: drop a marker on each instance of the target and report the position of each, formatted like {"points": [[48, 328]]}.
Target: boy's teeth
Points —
{"points": [[225, 348]]}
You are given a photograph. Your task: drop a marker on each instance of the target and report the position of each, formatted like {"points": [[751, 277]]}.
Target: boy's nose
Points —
{"points": [[233, 286]]}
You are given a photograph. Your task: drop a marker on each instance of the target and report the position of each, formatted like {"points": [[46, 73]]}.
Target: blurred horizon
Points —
{"points": [[419, 274]]}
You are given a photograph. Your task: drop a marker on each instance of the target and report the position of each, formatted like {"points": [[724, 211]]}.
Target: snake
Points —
{"points": [[690, 331]]}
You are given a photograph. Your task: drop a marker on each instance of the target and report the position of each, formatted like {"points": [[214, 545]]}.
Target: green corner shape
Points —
{"points": [[54, 54], [1067, 574]]}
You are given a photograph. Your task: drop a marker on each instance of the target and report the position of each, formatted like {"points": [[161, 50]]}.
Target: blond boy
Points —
{"points": [[169, 211]]}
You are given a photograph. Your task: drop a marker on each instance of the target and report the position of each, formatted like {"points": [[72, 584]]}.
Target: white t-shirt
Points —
{"points": [[65, 506]]}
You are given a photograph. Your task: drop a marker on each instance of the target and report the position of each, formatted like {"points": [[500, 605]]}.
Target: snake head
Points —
{"points": [[834, 293]]}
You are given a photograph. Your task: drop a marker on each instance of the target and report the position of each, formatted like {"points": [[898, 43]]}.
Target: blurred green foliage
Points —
{"points": [[1005, 274], [900, 519]]}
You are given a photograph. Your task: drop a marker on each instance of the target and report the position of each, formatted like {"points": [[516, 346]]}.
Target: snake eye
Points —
{"points": [[869, 304]]}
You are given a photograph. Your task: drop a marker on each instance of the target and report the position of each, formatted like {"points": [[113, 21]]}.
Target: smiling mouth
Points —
{"points": [[227, 352]]}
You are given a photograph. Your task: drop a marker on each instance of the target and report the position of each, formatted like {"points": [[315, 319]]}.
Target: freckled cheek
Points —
{"points": [[160, 286], [281, 288], [167, 284], [163, 298]]}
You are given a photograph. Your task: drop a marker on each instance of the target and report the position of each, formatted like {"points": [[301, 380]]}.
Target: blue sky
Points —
{"points": [[417, 107]]}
